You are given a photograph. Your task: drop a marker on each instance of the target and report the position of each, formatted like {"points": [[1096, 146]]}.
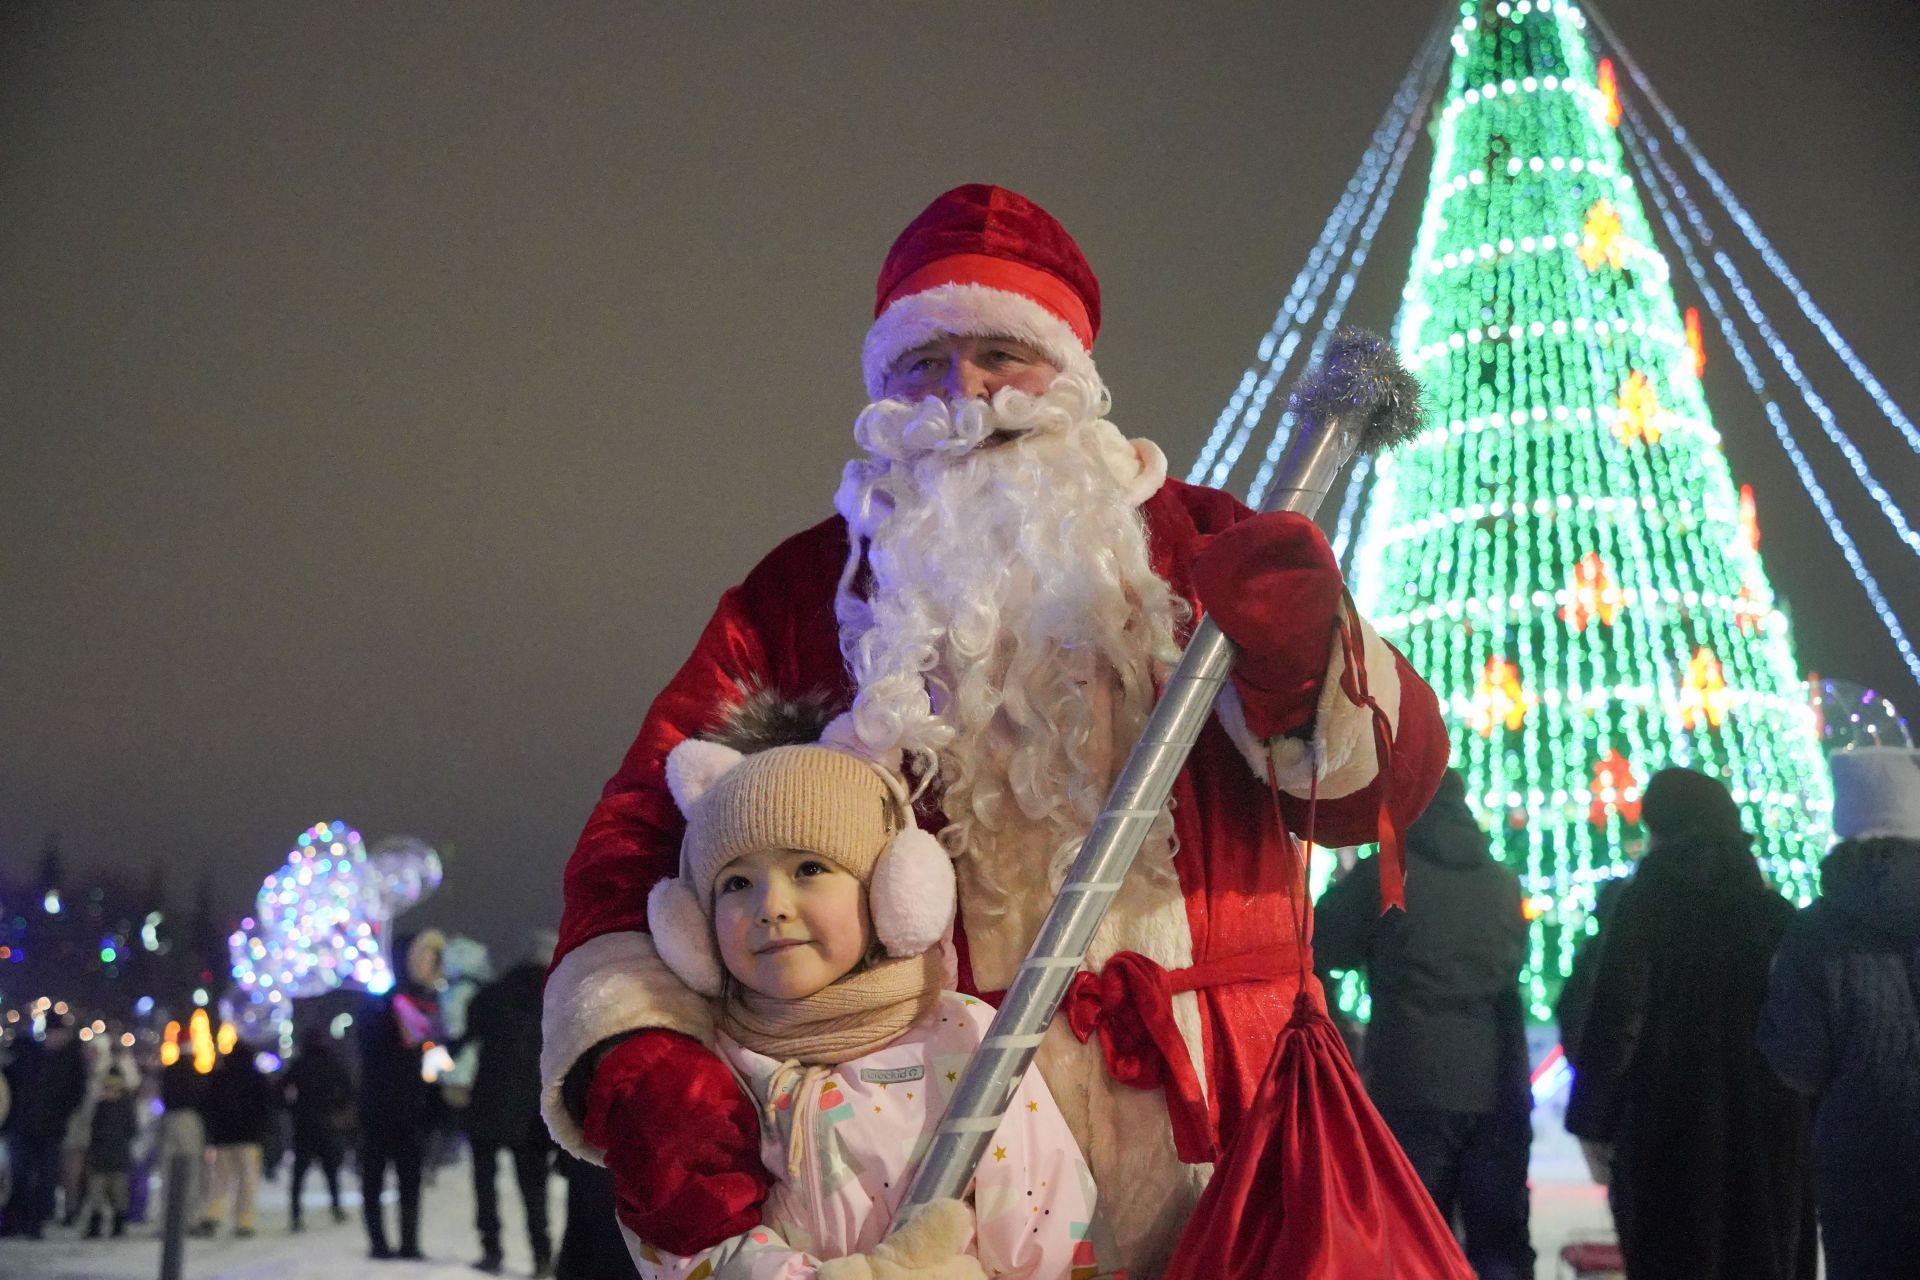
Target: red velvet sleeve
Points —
{"points": [[1223, 542], [686, 1175]]}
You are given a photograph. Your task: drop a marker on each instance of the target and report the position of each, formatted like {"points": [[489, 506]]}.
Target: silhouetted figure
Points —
{"points": [[183, 1136], [110, 1155], [1842, 1019], [47, 1082], [239, 1112], [398, 1107], [318, 1090], [592, 1247], [1576, 993], [1709, 1151], [1446, 1049], [504, 1113]]}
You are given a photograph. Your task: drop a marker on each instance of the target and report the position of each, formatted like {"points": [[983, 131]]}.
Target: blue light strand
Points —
{"points": [[1349, 507], [1771, 337], [1768, 254], [1257, 491], [1648, 179], [1249, 400], [1302, 300]]}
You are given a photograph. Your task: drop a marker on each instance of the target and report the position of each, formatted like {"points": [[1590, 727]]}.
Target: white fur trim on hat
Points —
{"points": [[683, 935], [1876, 792], [912, 894], [968, 310]]}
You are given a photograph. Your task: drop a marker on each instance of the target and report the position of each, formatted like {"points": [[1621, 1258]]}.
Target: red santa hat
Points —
{"points": [[984, 261]]}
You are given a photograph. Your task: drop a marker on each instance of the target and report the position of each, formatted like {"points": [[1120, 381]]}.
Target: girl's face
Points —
{"points": [[789, 923]]}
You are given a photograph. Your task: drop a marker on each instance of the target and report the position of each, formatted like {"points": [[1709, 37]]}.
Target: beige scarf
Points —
{"points": [[862, 1012]]}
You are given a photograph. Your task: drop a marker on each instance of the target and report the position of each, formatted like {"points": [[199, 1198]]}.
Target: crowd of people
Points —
{"points": [[1742, 1070], [100, 1135], [782, 931]]}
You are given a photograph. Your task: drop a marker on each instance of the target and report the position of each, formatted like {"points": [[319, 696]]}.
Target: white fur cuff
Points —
{"points": [[605, 987], [974, 310], [1341, 751]]}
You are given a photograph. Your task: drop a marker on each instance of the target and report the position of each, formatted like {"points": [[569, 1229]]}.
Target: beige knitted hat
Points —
{"points": [[813, 798]]}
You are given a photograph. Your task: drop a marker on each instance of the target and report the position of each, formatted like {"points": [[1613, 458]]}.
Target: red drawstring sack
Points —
{"points": [[1314, 1186]]}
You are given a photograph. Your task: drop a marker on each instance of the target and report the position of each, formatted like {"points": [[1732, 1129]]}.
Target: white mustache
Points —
{"points": [[903, 431]]}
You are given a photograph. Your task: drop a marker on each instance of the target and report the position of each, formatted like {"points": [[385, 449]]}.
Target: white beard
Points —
{"points": [[1010, 639], [1013, 628]]}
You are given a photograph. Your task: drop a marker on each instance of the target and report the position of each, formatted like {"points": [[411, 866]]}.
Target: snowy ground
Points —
{"points": [[1565, 1206]]}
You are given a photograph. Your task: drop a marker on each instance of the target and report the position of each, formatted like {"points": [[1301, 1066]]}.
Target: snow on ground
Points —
{"points": [[324, 1251], [1566, 1206]]}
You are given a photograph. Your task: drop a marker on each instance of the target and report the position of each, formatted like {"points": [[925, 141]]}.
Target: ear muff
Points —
{"points": [[683, 936], [911, 895]]}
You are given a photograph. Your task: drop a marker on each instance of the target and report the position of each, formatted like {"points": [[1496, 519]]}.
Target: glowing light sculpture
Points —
{"points": [[1569, 526], [321, 922]]}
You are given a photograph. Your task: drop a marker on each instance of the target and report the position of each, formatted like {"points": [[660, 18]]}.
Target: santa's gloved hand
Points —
{"points": [[681, 1139], [1271, 583], [927, 1247]]}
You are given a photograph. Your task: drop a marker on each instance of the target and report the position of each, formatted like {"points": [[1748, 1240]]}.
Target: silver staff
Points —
{"points": [[1359, 399]]}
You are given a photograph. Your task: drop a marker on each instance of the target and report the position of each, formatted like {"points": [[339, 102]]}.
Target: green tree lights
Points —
{"points": [[1564, 554]]}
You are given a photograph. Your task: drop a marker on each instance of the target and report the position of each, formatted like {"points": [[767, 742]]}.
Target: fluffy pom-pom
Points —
{"points": [[683, 937], [694, 766], [912, 893], [765, 718]]}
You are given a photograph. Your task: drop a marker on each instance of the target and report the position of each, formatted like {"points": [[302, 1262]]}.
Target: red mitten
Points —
{"points": [[1272, 585], [682, 1140]]}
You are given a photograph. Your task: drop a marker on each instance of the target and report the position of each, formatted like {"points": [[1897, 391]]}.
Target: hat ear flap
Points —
{"points": [[694, 766], [683, 936], [911, 894]]}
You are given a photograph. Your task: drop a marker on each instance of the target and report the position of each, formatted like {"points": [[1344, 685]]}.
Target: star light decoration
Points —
{"points": [[1603, 238], [1639, 418], [1609, 85], [1499, 699], [1614, 789], [1592, 594], [321, 923], [1703, 691]]}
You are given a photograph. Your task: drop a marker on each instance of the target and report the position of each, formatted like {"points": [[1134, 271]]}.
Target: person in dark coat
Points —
{"points": [[1446, 1050], [318, 1090], [1576, 993], [1709, 1153], [1842, 1018], [110, 1150], [592, 1247], [504, 1112], [238, 1112], [398, 1107], [47, 1081]]}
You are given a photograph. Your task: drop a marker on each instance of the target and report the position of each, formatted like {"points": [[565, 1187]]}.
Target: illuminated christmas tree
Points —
{"points": [[1565, 554]]}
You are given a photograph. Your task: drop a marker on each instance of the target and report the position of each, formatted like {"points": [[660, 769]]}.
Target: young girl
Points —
{"points": [[815, 912]]}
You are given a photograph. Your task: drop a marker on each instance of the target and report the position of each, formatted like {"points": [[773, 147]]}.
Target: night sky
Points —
{"points": [[388, 391]]}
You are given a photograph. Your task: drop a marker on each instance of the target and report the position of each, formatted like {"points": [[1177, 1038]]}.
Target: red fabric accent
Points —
{"points": [[993, 222], [1390, 833], [1315, 1187], [1130, 1004], [681, 1139], [1051, 292], [778, 627], [1271, 583]]}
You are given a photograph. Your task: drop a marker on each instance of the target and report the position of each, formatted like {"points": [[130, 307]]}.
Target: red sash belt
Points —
{"points": [[1130, 1004]]}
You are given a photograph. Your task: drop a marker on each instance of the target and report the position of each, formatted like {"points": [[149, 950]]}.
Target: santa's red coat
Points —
{"points": [[698, 1178]]}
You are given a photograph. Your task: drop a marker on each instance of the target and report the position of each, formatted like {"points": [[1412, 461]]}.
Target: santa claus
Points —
{"points": [[1006, 582]]}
